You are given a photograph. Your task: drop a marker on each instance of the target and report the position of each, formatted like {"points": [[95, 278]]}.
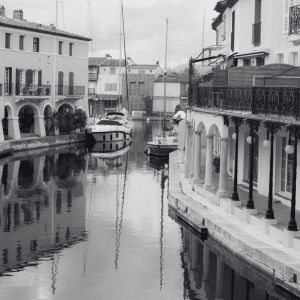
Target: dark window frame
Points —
{"points": [[36, 44], [21, 42], [8, 40], [60, 47]]}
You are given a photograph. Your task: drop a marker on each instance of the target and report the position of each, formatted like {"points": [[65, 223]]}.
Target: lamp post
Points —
{"points": [[237, 122], [253, 125], [272, 129]]}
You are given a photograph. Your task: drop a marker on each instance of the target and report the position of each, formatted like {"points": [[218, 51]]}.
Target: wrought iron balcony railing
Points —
{"points": [[269, 101], [70, 90], [256, 34], [294, 20], [33, 90]]}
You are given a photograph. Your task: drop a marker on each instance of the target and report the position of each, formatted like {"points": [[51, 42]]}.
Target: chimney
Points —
{"points": [[2, 10], [18, 14]]}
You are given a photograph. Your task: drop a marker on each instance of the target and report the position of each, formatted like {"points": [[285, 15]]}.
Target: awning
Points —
{"points": [[251, 54]]}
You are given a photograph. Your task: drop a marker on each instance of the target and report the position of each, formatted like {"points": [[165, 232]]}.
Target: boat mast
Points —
{"points": [[165, 77], [125, 57], [120, 58]]}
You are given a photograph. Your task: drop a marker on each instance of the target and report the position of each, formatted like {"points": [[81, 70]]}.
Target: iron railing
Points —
{"points": [[256, 34], [8, 89], [70, 90], [33, 90], [294, 20], [269, 101]]}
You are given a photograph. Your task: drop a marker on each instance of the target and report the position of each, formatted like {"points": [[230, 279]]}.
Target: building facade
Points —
{"points": [[254, 33], [42, 70], [140, 79], [176, 92], [243, 128]]}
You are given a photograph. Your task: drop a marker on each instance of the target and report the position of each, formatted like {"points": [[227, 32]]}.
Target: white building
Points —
{"points": [[42, 68], [254, 33], [242, 135], [176, 92], [105, 82]]}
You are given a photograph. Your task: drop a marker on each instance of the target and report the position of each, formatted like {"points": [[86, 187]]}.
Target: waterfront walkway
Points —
{"points": [[228, 224]]}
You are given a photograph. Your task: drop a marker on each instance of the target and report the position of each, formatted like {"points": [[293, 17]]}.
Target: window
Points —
{"points": [[7, 40], [260, 61], [71, 49], [36, 44], [112, 70], [60, 87], [141, 88], [246, 62], [60, 47], [8, 81], [21, 42], [280, 58], [293, 58], [132, 88], [110, 87], [286, 168]]}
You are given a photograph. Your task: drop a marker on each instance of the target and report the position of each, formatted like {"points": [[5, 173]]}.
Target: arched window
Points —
{"points": [[60, 83], [71, 83]]}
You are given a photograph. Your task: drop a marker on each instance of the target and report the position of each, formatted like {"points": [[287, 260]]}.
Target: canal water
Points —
{"points": [[78, 224]]}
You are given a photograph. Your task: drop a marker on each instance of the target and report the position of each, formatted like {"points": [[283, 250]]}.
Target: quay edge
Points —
{"points": [[31, 143], [242, 239]]}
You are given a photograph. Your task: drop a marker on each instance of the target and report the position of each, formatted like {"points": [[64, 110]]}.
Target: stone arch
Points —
{"points": [[7, 121], [30, 120], [48, 120]]}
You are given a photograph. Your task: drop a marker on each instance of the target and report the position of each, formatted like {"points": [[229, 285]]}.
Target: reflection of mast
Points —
{"points": [[162, 185], [118, 242], [117, 214]]}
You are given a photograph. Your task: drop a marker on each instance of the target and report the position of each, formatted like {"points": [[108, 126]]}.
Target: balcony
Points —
{"points": [[267, 101], [8, 89], [256, 34], [72, 91], [33, 90]]}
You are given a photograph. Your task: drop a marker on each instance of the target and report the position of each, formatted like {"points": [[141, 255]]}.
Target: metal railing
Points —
{"points": [[294, 20], [70, 90], [269, 101], [34, 90], [256, 34], [8, 89]]}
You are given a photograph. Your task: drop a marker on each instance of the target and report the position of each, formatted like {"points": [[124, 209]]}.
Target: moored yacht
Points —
{"points": [[115, 126]]}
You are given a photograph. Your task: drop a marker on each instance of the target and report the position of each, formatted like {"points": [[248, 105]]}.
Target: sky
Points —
{"points": [[145, 25]]}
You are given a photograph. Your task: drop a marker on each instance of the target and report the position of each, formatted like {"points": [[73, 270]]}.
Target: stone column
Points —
{"points": [[206, 262], [223, 169], [219, 282], [39, 126], [186, 148], [1, 133], [13, 128], [192, 155], [209, 161], [197, 157]]}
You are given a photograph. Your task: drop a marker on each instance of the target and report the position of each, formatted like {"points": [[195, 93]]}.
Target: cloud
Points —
{"points": [[144, 21]]}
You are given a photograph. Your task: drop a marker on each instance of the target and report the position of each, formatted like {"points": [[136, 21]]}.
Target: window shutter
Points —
{"points": [[287, 4]]}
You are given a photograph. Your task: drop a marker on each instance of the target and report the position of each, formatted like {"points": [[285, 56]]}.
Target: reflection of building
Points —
{"points": [[176, 92], [140, 87], [42, 206], [213, 272], [42, 68]]}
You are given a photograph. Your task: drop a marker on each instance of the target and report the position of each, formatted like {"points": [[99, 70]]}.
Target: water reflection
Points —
{"points": [[40, 196], [212, 272]]}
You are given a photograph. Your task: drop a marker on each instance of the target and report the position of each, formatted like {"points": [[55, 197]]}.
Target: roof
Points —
{"points": [[173, 77], [105, 62], [222, 5], [143, 66], [36, 27], [217, 21]]}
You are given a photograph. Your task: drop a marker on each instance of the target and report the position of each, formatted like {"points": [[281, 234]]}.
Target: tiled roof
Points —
{"points": [[105, 62], [31, 26], [173, 77], [222, 5], [137, 66]]}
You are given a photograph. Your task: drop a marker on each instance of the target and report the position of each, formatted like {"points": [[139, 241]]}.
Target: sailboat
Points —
{"points": [[163, 144], [115, 126]]}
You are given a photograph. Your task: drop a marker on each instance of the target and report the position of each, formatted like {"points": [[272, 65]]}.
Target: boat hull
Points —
{"points": [[160, 149], [110, 136]]}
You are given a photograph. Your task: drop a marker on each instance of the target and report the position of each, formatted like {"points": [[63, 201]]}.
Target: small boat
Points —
{"points": [[113, 127], [163, 145]]}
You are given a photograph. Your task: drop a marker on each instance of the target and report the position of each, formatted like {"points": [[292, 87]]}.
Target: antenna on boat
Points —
{"points": [[90, 25], [125, 55]]}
